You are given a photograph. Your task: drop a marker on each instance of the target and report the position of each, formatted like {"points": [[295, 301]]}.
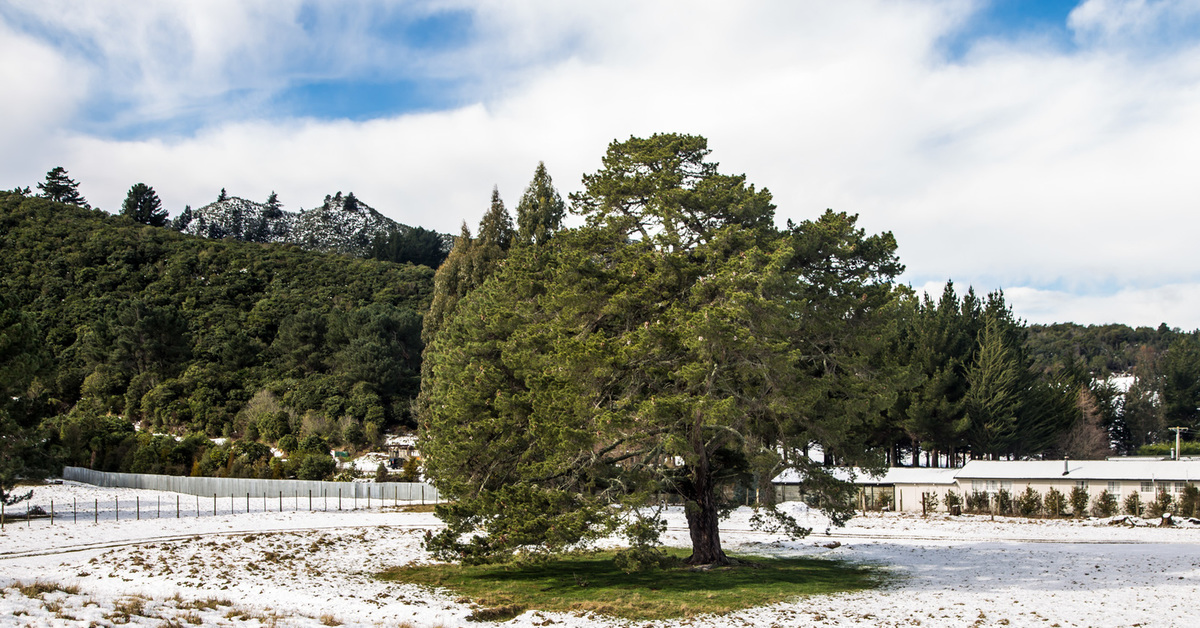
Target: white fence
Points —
{"points": [[238, 487]]}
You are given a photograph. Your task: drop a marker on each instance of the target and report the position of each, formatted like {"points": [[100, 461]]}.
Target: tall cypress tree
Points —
{"points": [[541, 210]]}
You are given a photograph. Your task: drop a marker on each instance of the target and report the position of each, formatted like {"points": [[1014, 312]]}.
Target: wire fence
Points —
{"points": [[201, 497]]}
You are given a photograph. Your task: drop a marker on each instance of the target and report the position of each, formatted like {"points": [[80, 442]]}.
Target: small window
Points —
{"points": [[1081, 484], [1147, 487], [978, 486], [1114, 488], [1006, 485], [1179, 486], [992, 485]]}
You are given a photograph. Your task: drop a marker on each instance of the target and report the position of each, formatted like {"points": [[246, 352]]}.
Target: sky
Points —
{"points": [[1044, 148]]}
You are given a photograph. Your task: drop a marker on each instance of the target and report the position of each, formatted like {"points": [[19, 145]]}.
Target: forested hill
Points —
{"points": [[216, 336], [1099, 349]]}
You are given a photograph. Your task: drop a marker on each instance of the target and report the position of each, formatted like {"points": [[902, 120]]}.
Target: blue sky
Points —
{"points": [[1038, 147]]}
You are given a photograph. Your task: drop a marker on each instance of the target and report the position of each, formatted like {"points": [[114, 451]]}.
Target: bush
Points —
{"points": [[1105, 504], [977, 502], [953, 500], [929, 502], [315, 467], [1004, 502], [1029, 503], [1161, 504], [1189, 501], [1055, 503], [1079, 501], [1133, 504]]}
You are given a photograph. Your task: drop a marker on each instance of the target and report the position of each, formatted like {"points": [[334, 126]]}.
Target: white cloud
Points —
{"points": [[1063, 177]]}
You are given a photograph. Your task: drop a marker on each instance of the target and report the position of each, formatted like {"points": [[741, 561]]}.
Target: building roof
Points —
{"points": [[1133, 470], [1141, 469], [893, 475]]}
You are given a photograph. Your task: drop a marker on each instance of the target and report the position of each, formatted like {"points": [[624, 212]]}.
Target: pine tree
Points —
{"points": [[222, 196], [496, 227], [274, 207], [562, 389], [60, 187], [993, 399], [181, 222], [143, 205], [541, 210]]}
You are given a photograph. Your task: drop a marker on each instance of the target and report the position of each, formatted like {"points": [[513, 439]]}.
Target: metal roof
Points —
{"points": [[893, 475], [1182, 470], [1028, 470]]}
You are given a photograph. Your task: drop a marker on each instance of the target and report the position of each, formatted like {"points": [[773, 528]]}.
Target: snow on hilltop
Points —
{"points": [[342, 224]]}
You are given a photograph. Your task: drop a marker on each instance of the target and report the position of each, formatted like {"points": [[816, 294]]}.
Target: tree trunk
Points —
{"points": [[703, 521], [701, 510]]}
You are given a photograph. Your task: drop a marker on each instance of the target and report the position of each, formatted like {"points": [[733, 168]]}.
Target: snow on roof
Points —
{"points": [[406, 439], [893, 475], [1081, 470]]}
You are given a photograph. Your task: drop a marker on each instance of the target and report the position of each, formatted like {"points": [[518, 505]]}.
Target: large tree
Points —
{"points": [[62, 188], [143, 205], [679, 343], [20, 358]]}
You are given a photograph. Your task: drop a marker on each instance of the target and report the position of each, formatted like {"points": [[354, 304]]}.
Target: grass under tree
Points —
{"points": [[591, 582]]}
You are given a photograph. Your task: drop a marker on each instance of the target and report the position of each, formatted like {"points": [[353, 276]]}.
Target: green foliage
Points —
{"points": [[1189, 501], [953, 500], [1004, 502], [21, 360], [1186, 448], [1079, 501], [1054, 503], [977, 502], [1163, 503], [181, 333], [1105, 504], [929, 502], [1133, 505], [541, 210], [679, 325], [416, 245], [143, 205], [1029, 503], [60, 188]]}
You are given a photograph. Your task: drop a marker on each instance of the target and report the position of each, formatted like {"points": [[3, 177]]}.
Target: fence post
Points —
{"points": [[75, 509], [1, 514], [138, 507], [339, 498], [247, 503], [176, 506], [214, 504], [197, 506], [280, 501], [96, 512], [158, 507], [116, 509], [52, 512], [310, 500]]}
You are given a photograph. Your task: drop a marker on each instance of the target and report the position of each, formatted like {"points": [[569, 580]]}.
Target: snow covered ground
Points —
{"points": [[295, 567]]}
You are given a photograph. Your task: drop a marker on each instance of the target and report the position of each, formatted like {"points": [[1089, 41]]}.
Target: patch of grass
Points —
{"points": [[592, 583]]}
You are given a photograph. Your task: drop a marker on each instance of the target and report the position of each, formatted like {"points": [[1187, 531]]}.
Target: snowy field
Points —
{"points": [[297, 567]]}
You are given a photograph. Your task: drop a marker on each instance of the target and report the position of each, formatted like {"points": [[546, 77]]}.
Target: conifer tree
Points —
{"points": [[679, 325], [222, 196], [181, 222], [60, 187], [541, 210], [143, 205]]}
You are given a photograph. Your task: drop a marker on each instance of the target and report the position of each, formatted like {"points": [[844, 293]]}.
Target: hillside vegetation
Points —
{"points": [[211, 337]]}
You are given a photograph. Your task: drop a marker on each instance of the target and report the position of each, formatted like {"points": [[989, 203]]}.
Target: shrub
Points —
{"points": [[1189, 501], [1105, 504], [953, 500], [1079, 501], [1161, 504], [1055, 503], [1004, 502], [1029, 503], [977, 502], [929, 502], [1133, 504]]}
